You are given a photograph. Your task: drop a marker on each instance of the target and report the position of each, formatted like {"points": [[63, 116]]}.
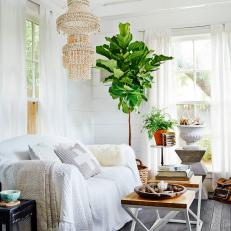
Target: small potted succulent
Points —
{"points": [[156, 123]]}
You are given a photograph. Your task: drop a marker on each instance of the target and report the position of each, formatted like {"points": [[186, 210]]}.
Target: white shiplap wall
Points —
{"points": [[80, 123]]}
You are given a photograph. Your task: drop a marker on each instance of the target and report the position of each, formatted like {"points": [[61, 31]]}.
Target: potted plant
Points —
{"points": [[156, 123], [130, 65]]}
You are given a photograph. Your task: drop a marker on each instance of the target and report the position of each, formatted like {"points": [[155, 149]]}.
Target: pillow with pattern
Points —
{"points": [[43, 151], [79, 156]]}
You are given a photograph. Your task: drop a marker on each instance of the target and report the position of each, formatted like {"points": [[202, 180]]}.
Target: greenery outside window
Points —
{"points": [[192, 66], [32, 59]]}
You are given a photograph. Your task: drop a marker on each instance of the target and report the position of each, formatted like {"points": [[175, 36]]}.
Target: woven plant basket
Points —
{"points": [[143, 171]]}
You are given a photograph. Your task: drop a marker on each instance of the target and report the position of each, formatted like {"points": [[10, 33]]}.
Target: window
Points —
{"points": [[32, 59], [192, 64], [32, 73]]}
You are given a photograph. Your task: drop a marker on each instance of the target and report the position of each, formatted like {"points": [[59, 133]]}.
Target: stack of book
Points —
{"points": [[175, 172], [168, 139]]}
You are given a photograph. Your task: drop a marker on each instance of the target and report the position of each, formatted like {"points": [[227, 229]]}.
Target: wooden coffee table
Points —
{"points": [[194, 184], [174, 206]]}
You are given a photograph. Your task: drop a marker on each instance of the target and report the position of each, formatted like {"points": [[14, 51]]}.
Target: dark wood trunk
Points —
{"points": [[129, 129]]}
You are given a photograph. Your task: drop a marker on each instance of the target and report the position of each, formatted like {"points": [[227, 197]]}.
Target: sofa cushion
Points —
{"points": [[105, 203], [79, 156], [122, 177], [43, 151], [17, 147], [109, 154]]}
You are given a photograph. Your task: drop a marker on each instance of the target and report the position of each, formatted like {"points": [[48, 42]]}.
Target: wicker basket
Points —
{"points": [[143, 171]]}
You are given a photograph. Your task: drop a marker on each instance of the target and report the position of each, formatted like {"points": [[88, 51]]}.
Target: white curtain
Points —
{"points": [[221, 99], [162, 95], [13, 99], [52, 106]]}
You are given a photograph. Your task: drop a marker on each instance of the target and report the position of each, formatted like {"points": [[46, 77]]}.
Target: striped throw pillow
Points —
{"points": [[79, 156]]}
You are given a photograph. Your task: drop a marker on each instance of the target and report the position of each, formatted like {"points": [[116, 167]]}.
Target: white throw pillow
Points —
{"points": [[80, 156], [109, 154], [42, 151]]}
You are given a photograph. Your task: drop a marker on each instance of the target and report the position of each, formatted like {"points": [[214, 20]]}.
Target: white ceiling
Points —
{"points": [[116, 8]]}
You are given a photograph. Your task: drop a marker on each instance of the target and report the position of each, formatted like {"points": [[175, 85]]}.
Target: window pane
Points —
{"points": [[36, 79], [36, 41], [29, 79], [203, 91], [202, 54], [29, 39], [203, 113], [184, 55], [186, 111], [185, 86], [206, 142], [199, 111], [32, 57]]}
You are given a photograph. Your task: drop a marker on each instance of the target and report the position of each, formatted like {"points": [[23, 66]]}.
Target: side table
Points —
{"points": [[194, 184], [13, 215], [173, 206]]}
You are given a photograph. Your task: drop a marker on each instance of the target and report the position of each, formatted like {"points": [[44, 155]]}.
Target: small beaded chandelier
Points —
{"points": [[78, 23]]}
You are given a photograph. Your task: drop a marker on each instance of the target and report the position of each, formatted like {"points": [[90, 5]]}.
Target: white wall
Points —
{"points": [[79, 114]]}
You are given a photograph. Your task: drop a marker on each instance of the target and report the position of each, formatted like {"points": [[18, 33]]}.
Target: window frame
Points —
{"points": [[32, 14], [194, 70], [195, 103]]}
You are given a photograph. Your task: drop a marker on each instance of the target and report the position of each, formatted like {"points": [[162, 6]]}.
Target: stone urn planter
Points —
{"points": [[191, 134]]}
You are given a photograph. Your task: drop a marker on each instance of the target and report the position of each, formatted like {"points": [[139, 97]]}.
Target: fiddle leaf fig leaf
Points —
{"points": [[118, 73], [124, 28], [126, 87], [108, 64]]}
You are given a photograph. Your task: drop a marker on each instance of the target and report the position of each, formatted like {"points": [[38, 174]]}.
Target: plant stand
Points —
{"points": [[193, 158], [161, 151]]}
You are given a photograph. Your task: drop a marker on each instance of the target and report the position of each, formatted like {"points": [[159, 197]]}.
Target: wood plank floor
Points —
{"points": [[215, 215]]}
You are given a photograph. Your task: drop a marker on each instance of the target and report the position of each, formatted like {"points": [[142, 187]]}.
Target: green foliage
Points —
{"points": [[157, 120], [206, 143], [130, 66]]}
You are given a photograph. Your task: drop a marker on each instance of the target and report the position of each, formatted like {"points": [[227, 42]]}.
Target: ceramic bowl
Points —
{"points": [[10, 195]]}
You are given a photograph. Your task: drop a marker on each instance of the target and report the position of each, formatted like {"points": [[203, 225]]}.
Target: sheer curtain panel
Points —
{"points": [[162, 94], [52, 106], [13, 98], [221, 99]]}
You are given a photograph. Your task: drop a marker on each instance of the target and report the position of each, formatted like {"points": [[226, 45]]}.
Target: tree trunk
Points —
{"points": [[129, 129]]}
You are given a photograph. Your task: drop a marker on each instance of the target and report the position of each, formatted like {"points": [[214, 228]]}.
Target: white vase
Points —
{"points": [[191, 134]]}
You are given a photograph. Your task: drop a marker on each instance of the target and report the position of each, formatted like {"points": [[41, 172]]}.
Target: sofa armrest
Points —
{"points": [[58, 190]]}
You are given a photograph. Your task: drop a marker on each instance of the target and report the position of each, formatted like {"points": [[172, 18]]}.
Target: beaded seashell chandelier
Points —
{"points": [[78, 23]]}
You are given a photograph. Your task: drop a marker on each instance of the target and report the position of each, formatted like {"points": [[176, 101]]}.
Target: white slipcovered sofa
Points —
{"points": [[61, 191]]}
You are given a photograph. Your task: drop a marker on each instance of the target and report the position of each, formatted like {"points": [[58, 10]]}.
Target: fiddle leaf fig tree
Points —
{"points": [[129, 65]]}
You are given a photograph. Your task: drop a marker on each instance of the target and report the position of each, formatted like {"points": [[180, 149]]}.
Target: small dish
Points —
{"points": [[10, 195]]}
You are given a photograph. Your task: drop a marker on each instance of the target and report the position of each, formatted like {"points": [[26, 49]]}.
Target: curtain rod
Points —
{"points": [[186, 27], [33, 2], [37, 4]]}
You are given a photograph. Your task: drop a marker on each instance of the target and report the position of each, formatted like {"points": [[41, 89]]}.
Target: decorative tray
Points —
{"points": [[152, 191]]}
